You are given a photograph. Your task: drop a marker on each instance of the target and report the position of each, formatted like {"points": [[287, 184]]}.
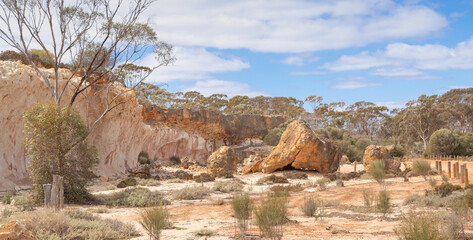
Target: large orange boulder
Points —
{"points": [[374, 153], [224, 159], [13, 231], [300, 148]]}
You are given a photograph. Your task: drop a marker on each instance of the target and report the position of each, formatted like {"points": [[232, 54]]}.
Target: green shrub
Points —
{"points": [[227, 186], [362, 143], [79, 214], [242, 208], [183, 175], [55, 142], [313, 208], [24, 202], [398, 151], [143, 158], [322, 182], [446, 189], [148, 182], [368, 198], [420, 225], [154, 220], [469, 198], [132, 197], [442, 142], [271, 216], [295, 175], [273, 136], [8, 196], [376, 170], [191, 193], [224, 174], [127, 182], [204, 177], [205, 232], [383, 203], [465, 144], [340, 183], [272, 179], [421, 167], [175, 160]]}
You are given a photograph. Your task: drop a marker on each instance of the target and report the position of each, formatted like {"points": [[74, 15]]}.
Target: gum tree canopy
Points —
{"points": [[98, 40]]}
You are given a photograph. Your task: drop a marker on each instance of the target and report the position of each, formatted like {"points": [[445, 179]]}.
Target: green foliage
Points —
{"points": [[287, 188], [24, 202], [446, 189], [350, 150], [273, 136], [154, 220], [271, 216], [8, 197], [272, 179], [368, 198], [227, 186], [322, 182], [224, 174], [132, 197], [398, 151], [242, 208], [383, 203], [362, 143], [191, 193], [204, 177], [421, 167], [376, 170], [469, 198], [295, 175], [127, 182], [313, 207], [175, 160], [465, 144], [55, 144], [442, 142], [143, 158], [205, 232], [420, 225]]}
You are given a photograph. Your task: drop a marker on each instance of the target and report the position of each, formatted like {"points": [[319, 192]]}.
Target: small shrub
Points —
{"points": [[148, 182], [24, 202], [419, 225], [421, 167], [446, 189], [340, 183], [205, 232], [287, 188], [8, 196], [271, 216], [227, 186], [98, 210], [132, 197], [376, 170], [469, 198], [398, 151], [444, 178], [433, 182], [368, 198], [224, 174], [191, 193], [295, 175], [313, 207], [183, 175], [6, 213], [154, 220], [175, 180], [78, 214], [219, 201], [175, 160], [322, 182], [383, 204], [242, 208], [111, 187], [442, 142], [127, 182], [272, 179], [204, 177], [143, 158]]}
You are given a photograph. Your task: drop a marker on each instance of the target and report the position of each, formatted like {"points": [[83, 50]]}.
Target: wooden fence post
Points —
{"points": [[454, 170], [57, 192], [458, 170], [440, 168], [449, 169], [466, 176], [462, 173]]}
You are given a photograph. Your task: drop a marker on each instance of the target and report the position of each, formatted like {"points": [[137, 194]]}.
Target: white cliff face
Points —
{"points": [[119, 136]]}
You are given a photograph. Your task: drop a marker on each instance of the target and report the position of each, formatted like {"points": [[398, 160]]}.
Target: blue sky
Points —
{"points": [[382, 51]]}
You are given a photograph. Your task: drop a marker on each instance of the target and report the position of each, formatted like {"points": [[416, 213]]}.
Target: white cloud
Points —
{"points": [[299, 60], [392, 104], [400, 59], [209, 87], [193, 64], [446, 89], [353, 84], [290, 26]]}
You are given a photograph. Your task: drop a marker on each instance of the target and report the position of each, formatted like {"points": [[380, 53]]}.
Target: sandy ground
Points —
{"points": [[345, 220]]}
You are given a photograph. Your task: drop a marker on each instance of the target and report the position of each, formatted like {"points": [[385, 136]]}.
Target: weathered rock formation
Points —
{"points": [[122, 133], [300, 148], [231, 129], [374, 153], [224, 159], [13, 231]]}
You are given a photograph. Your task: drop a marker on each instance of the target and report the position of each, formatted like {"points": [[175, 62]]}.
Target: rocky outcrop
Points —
{"points": [[231, 129], [374, 153], [224, 159], [123, 132], [300, 148], [13, 231]]}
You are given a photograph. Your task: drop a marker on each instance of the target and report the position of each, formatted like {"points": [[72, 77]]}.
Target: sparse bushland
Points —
{"points": [[227, 186], [75, 224], [205, 232], [154, 220], [446, 189], [191, 193], [25, 201], [420, 225], [270, 216], [132, 197], [242, 209], [127, 182], [368, 198], [272, 179], [55, 144], [287, 188], [313, 207], [421, 167], [204, 177], [224, 174], [148, 182], [383, 202], [434, 200], [377, 170], [175, 160]]}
